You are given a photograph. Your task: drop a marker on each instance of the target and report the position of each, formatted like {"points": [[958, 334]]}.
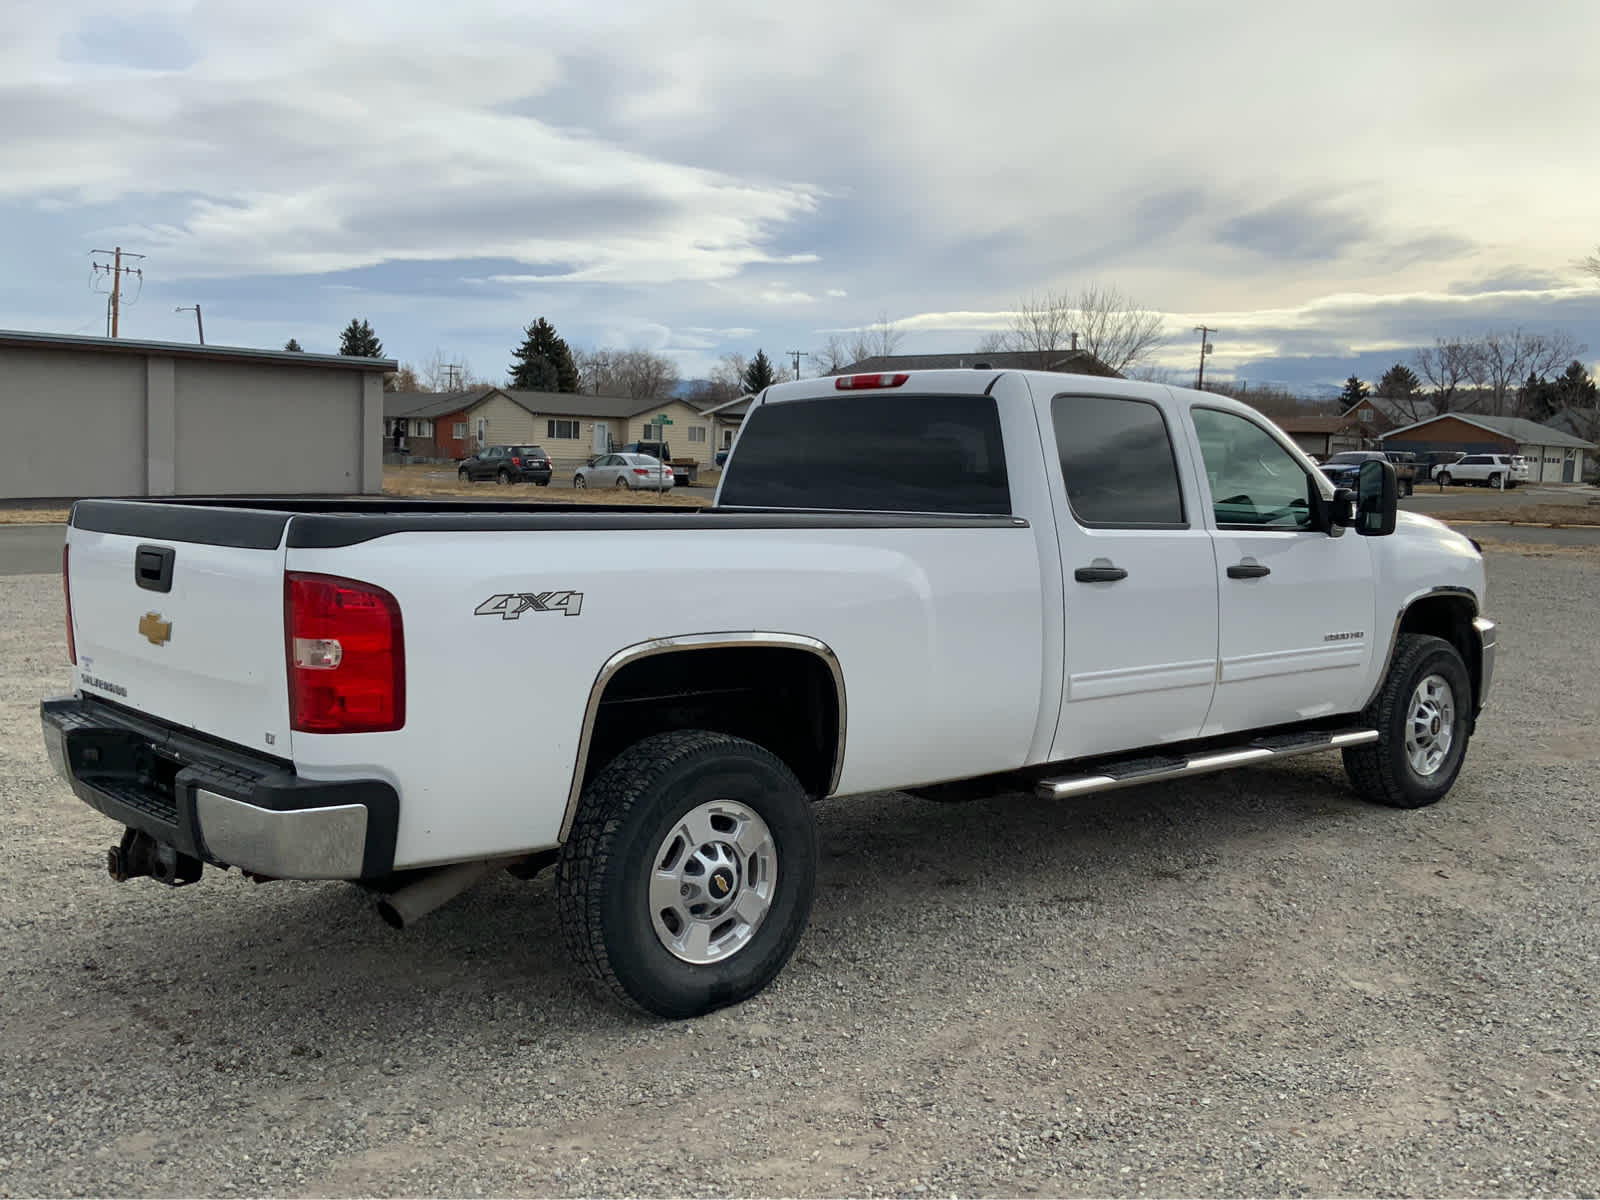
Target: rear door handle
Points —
{"points": [[1248, 570], [1099, 574]]}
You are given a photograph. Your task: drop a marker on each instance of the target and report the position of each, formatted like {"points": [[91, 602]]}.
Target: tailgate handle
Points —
{"points": [[152, 567]]}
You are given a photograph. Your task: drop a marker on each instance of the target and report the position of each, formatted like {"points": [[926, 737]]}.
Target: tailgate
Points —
{"points": [[188, 631]]}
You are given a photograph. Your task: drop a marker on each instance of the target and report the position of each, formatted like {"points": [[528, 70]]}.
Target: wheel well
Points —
{"points": [[1450, 617], [783, 699]]}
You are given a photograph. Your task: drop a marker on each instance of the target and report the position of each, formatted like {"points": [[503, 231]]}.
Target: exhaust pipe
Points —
{"points": [[406, 906]]}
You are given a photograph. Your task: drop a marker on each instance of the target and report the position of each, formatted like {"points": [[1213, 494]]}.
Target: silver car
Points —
{"points": [[624, 471]]}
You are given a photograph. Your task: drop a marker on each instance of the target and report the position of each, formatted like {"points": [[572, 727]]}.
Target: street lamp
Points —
{"points": [[198, 324]]}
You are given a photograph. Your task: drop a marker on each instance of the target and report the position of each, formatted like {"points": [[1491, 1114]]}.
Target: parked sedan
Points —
{"points": [[507, 464], [624, 471]]}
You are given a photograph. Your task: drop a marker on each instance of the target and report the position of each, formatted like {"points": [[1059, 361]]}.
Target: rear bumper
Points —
{"points": [[217, 804]]}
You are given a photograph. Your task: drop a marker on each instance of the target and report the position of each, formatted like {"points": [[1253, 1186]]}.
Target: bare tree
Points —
{"points": [[1100, 319], [448, 373], [595, 371], [638, 374], [834, 357], [1510, 358], [403, 380], [1449, 366], [1591, 264]]}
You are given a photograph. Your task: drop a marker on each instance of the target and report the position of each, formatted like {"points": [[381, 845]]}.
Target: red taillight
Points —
{"points": [[347, 662], [856, 383], [66, 594], [641, 470], [515, 461]]}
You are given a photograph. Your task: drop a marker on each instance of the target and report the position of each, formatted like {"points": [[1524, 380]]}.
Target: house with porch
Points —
{"points": [[572, 427], [427, 426]]}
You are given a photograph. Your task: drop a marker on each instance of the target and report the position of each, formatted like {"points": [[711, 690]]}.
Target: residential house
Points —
{"points": [[1325, 436], [572, 427], [1069, 362], [428, 426], [1553, 456], [726, 418]]}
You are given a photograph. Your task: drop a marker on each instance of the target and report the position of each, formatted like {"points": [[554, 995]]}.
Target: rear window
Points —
{"points": [[527, 451], [872, 452]]}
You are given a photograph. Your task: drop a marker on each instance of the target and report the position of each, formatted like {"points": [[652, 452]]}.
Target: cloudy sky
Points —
{"points": [[1327, 185]]}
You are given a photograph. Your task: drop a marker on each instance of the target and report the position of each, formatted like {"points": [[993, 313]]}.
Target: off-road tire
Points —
{"points": [[603, 876], [1381, 771]]}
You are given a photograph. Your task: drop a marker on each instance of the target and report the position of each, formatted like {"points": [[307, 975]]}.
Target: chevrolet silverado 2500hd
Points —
{"points": [[944, 582]]}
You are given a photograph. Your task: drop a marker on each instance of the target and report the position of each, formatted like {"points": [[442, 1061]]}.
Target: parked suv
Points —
{"points": [[1344, 468], [507, 464], [1486, 470]]}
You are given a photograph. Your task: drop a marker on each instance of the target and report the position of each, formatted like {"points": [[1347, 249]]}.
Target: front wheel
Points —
{"points": [[1423, 715], [688, 877], [462, 476]]}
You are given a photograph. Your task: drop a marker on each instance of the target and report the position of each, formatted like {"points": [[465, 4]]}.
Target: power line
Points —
{"points": [[116, 271]]}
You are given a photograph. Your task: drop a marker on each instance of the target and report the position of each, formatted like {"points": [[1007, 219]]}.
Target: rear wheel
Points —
{"points": [[688, 878], [623, 485], [1444, 478], [1423, 714], [1494, 480], [504, 477], [578, 481]]}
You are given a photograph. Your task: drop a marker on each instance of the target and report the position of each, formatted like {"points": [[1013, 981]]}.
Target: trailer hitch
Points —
{"points": [[140, 855]]}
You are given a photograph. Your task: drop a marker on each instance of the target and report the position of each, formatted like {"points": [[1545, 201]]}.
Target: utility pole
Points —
{"points": [[797, 355], [1205, 349], [451, 376], [198, 324], [116, 270]]}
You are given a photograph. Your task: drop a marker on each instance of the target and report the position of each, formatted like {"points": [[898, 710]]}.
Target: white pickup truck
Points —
{"points": [[947, 582]]}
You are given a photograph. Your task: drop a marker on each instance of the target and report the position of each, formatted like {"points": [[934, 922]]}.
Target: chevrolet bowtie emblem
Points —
{"points": [[157, 631]]}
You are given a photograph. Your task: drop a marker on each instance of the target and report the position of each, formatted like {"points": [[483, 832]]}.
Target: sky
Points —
{"points": [[1327, 186]]}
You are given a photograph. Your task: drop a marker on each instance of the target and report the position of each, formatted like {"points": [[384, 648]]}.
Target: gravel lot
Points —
{"points": [[1250, 983]]}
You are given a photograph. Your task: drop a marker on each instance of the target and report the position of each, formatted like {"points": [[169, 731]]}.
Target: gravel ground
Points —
{"points": [[1247, 984]]}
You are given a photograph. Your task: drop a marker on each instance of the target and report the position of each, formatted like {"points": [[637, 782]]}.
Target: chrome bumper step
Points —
{"points": [[1127, 772]]}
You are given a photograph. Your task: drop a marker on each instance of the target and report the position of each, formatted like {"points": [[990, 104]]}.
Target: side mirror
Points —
{"points": [[1377, 498]]}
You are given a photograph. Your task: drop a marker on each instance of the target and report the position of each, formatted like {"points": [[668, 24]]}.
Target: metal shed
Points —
{"points": [[92, 416]]}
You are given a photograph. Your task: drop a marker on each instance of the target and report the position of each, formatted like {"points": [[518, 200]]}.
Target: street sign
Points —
{"points": [[663, 419]]}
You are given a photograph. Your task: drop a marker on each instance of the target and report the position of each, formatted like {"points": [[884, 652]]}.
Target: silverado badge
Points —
{"points": [[155, 630]]}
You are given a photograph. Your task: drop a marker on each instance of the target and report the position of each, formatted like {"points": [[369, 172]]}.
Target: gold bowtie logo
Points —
{"points": [[155, 630]]}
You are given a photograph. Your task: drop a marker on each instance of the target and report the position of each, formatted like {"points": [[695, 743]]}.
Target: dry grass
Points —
{"points": [[422, 482], [1557, 515], [33, 516]]}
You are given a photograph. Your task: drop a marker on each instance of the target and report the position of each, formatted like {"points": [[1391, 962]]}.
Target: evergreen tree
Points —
{"points": [[1399, 382], [294, 346], [543, 363], [1540, 399], [1354, 392], [1576, 389], [759, 374], [358, 340]]}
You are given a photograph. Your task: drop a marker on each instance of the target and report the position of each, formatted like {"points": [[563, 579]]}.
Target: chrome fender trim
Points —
{"points": [[699, 641]]}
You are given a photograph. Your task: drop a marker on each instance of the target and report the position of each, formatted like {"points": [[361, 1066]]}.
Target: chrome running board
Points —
{"points": [[1127, 772]]}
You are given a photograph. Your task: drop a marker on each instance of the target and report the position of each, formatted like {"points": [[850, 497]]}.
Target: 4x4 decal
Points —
{"points": [[512, 605]]}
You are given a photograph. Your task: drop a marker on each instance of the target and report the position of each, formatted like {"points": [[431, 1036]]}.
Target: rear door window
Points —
{"points": [[1117, 463], [872, 452]]}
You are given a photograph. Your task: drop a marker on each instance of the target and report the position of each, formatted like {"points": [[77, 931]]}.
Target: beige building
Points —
{"points": [[572, 427], [93, 416]]}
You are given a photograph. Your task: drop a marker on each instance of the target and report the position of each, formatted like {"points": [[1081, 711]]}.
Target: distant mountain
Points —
{"points": [[685, 386]]}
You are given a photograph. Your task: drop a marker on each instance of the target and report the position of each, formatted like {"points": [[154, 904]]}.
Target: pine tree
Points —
{"points": [[1576, 389], [358, 340], [759, 374], [1399, 382], [543, 363], [1354, 392], [293, 347]]}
